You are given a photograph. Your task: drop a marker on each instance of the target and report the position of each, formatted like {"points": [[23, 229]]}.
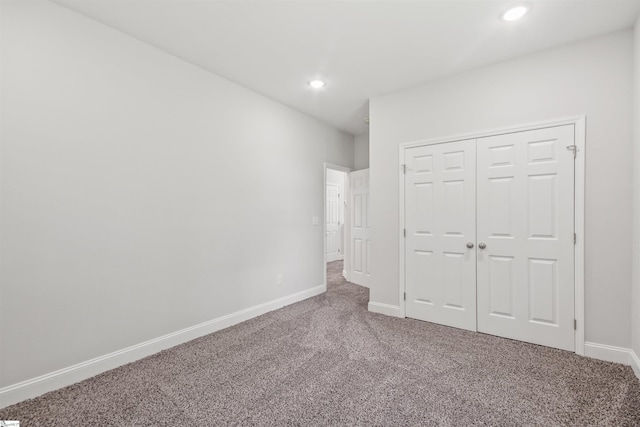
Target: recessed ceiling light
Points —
{"points": [[316, 84], [515, 13]]}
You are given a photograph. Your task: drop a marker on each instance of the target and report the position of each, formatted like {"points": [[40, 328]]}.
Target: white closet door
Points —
{"points": [[525, 218], [440, 220], [360, 227], [333, 239]]}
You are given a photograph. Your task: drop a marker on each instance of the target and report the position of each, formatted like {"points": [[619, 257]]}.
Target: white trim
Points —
{"points": [[386, 309], [579, 123], [63, 377], [498, 131], [608, 353], [635, 363], [401, 228], [578, 225], [347, 223]]}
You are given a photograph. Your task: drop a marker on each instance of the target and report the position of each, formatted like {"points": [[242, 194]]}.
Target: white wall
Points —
{"points": [[335, 177], [635, 307], [361, 151], [592, 77], [141, 194]]}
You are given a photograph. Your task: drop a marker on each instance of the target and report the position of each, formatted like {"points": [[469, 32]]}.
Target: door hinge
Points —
{"points": [[575, 324], [404, 169], [405, 296], [574, 149], [404, 232], [575, 238]]}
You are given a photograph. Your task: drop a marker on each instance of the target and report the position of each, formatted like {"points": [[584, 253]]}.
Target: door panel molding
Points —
{"points": [[539, 154]]}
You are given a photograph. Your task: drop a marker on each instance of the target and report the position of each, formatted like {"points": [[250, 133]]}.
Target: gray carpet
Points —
{"points": [[327, 361]]}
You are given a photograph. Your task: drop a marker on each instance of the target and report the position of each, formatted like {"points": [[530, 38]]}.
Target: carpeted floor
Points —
{"points": [[327, 361]]}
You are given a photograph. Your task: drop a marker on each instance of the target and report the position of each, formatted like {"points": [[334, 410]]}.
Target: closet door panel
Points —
{"points": [[525, 197], [440, 221]]}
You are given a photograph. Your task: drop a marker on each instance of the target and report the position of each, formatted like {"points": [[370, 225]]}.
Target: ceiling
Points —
{"points": [[362, 49]]}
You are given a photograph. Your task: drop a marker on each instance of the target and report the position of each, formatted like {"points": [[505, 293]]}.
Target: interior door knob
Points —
{"points": [[482, 245], [470, 245]]}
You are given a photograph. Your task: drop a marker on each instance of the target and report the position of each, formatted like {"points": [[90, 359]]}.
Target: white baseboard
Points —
{"points": [[635, 363], [386, 309], [608, 353], [63, 377]]}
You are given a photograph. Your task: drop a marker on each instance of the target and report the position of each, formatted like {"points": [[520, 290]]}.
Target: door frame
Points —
{"points": [[347, 223], [579, 123]]}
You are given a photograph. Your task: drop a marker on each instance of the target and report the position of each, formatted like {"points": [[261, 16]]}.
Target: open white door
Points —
{"points": [[334, 222], [360, 227]]}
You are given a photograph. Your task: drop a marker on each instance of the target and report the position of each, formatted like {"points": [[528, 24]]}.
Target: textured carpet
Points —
{"points": [[327, 361]]}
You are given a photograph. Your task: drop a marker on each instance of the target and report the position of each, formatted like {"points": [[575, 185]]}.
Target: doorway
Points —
{"points": [[336, 216]]}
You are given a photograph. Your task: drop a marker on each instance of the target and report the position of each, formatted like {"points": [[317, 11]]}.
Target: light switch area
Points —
{"points": [[280, 280], [315, 220]]}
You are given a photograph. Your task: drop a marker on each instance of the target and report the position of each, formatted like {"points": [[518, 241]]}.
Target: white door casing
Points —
{"points": [[334, 224], [440, 225], [525, 184], [360, 244]]}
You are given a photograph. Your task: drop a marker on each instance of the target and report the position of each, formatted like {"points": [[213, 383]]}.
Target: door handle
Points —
{"points": [[482, 245], [470, 245]]}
